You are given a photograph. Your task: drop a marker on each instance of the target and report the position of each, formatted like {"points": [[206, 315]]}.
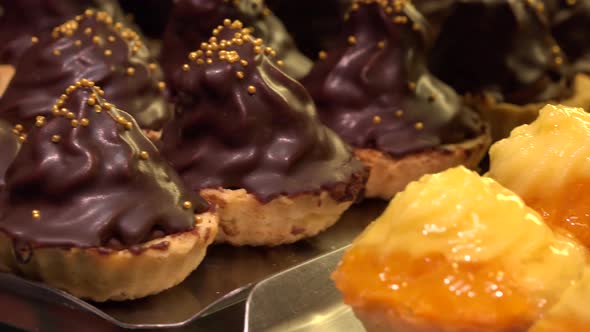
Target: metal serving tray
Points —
{"points": [[307, 301], [224, 278]]}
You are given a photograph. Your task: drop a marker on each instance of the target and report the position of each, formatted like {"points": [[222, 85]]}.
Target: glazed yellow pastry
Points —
{"points": [[457, 252], [571, 313], [547, 163]]}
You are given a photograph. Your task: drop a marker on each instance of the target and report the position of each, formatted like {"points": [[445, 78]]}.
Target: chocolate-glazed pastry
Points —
{"points": [[311, 23], [23, 19], [570, 23], [374, 90], [88, 191], [192, 22], [95, 47], [247, 137], [502, 54]]}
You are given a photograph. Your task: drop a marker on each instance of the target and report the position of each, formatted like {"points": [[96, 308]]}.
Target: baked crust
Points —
{"points": [[6, 75], [120, 274], [503, 117], [245, 220], [388, 320], [388, 175]]}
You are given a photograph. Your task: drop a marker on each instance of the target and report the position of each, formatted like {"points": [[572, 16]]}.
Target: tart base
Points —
{"points": [[118, 275], [6, 75], [245, 220], [388, 320], [503, 117], [388, 175]]}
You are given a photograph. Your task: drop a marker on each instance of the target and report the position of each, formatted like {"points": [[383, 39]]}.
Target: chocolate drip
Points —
{"points": [[374, 90], [20, 20], [86, 176], [192, 21], [503, 48], [9, 145], [243, 123], [570, 23], [91, 46]]}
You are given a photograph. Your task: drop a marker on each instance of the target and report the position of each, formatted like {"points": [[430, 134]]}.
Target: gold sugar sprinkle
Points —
{"points": [[55, 138], [187, 205], [144, 155], [251, 89]]}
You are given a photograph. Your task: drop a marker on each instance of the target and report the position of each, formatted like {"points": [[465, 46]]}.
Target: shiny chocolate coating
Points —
{"points": [[503, 48], [86, 176], [192, 22], [374, 90], [570, 24], [90, 46], [243, 123], [9, 145], [20, 20]]}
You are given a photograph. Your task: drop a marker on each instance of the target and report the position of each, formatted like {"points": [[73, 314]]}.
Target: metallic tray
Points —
{"points": [[308, 301], [224, 278]]}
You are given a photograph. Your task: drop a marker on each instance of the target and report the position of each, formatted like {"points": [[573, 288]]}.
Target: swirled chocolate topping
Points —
{"points": [[570, 23], [86, 176], [192, 21], [374, 90], [243, 123], [9, 144], [503, 48], [21, 20], [90, 46]]}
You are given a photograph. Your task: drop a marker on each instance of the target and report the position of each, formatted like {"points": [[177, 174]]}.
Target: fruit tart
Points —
{"points": [[571, 313], [547, 164], [90, 206], [92, 46], [457, 252], [374, 90], [247, 138]]}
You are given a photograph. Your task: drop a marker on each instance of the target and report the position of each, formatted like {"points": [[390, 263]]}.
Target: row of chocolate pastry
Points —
{"points": [[244, 138], [508, 57]]}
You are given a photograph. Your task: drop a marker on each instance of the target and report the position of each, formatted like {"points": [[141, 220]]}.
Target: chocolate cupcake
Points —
{"points": [[570, 23], [192, 22], [95, 47], [92, 208], [247, 138], [501, 53], [374, 90]]}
